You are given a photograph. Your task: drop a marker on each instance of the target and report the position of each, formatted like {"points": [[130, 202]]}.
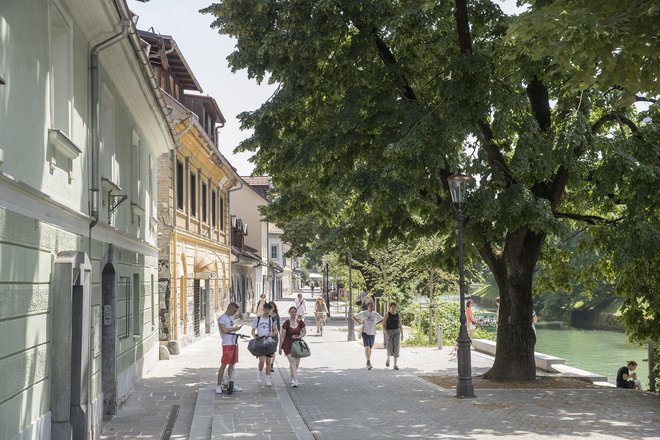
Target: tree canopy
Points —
{"points": [[380, 101]]}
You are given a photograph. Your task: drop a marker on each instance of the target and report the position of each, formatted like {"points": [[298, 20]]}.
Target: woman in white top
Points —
{"points": [[262, 327]]}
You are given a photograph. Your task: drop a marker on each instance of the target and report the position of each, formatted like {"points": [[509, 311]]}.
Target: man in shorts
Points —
{"points": [[226, 325], [369, 319]]}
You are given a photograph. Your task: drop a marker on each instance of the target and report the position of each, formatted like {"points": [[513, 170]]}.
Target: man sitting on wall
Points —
{"points": [[627, 378]]}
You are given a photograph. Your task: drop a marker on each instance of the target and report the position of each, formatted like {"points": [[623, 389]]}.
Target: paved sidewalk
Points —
{"points": [[339, 399]]}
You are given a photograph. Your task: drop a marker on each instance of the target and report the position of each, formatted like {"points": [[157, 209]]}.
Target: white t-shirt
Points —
{"points": [[369, 320], [262, 325], [228, 322], [301, 306]]}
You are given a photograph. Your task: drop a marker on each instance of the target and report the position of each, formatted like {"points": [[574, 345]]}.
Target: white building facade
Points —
{"points": [[81, 126]]}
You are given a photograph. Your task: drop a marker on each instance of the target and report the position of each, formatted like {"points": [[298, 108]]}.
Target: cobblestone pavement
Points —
{"points": [[341, 399]]}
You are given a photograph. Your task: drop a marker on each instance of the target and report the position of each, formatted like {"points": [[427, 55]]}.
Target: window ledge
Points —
{"points": [[137, 209], [63, 144], [109, 185]]}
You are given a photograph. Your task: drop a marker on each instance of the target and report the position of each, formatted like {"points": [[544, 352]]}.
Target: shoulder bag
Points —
{"points": [[300, 349]]}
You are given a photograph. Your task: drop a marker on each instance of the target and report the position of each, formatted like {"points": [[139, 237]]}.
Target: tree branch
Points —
{"points": [[537, 93], [644, 99], [463, 27], [495, 157], [610, 117], [591, 219]]}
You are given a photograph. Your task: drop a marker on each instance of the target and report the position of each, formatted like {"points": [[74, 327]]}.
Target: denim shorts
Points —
{"points": [[368, 340]]}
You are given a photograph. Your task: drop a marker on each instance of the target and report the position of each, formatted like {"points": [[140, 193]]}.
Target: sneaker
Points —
{"points": [[237, 389], [387, 364], [268, 382], [259, 377], [396, 368], [218, 389], [369, 367], [294, 384]]}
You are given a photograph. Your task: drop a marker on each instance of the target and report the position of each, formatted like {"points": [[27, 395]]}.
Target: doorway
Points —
{"points": [[109, 340]]}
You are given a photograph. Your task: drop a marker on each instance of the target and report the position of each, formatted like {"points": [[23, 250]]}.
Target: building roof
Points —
{"points": [[260, 184], [274, 229], [257, 180], [209, 103], [164, 52]]}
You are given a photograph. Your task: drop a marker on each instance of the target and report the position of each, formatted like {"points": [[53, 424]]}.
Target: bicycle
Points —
{"points": [[228, 380], [320, 317]]}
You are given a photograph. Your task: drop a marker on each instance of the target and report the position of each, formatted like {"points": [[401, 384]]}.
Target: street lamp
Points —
{"points": [[457, 187], [326, 260]]}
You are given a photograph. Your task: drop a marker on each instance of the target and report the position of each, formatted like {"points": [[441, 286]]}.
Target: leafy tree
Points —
{"points": [[380, 101]]}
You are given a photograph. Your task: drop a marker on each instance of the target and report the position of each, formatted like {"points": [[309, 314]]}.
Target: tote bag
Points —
{"points": [[300, 349]]}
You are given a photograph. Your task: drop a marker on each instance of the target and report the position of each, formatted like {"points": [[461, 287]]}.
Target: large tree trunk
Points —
{"points": [[514, 272]]}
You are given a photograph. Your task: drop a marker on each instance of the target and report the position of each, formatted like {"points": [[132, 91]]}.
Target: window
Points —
{"points": [[222, 214], [137, 311], [61, 49], [273, 252], [136, 184], [124, 307], [213, 209], [203, 203], [193, 195], [153, 192], [110, 164], [179, 185]]}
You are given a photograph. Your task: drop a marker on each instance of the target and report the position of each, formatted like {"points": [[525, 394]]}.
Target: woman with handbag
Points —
{"points": [[293, 329], [262, 328]]}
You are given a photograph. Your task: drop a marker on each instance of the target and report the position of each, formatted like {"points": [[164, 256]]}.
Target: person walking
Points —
{"points": [[263, 327], [469, 314], [301, 306], [260, 304], [627, 378], [229, 347], [292, 329], [275, 314], [369, 319], [320, 312], [393, 334], [497, 313]]}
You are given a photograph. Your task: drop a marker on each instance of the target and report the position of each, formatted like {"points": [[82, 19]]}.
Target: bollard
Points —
{"points": [[439, 337]]}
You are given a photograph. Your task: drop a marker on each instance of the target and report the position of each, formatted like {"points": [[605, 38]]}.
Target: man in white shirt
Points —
{"points": [[369, 319], [301, 307], [229, 347]]}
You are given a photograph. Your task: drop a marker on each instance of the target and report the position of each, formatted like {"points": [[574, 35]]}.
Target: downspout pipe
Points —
{"points": [[95, 122]]}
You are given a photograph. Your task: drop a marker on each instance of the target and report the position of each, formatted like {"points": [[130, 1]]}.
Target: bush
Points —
{"points": [[446, 316]]}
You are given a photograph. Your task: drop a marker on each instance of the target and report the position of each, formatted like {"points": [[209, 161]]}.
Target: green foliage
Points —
{"points": [[378, 104], [446, 315], [597, 44]]}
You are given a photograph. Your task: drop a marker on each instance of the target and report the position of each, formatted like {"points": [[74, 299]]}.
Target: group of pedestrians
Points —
{"points": [[268, 325]]}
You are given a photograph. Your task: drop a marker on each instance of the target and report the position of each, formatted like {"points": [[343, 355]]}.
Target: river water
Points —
{"points": [[598, 351]]}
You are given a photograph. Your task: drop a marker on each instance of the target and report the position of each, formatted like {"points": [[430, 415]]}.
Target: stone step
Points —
{"points": [[543, 361], [568, 371], [200, 428]]}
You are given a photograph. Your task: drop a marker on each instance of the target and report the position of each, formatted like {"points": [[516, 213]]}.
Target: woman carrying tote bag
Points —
{"points": [[293, 329]]}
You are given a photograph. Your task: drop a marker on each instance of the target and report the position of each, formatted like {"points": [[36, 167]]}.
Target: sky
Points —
{"points": [[206, 52]]}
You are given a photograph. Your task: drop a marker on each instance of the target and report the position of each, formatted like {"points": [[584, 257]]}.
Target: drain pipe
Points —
{"points": [[96, 143]]}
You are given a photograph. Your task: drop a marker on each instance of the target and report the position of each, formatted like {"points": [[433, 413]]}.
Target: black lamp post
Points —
{"points": [[464, 388], [326, 260]]}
